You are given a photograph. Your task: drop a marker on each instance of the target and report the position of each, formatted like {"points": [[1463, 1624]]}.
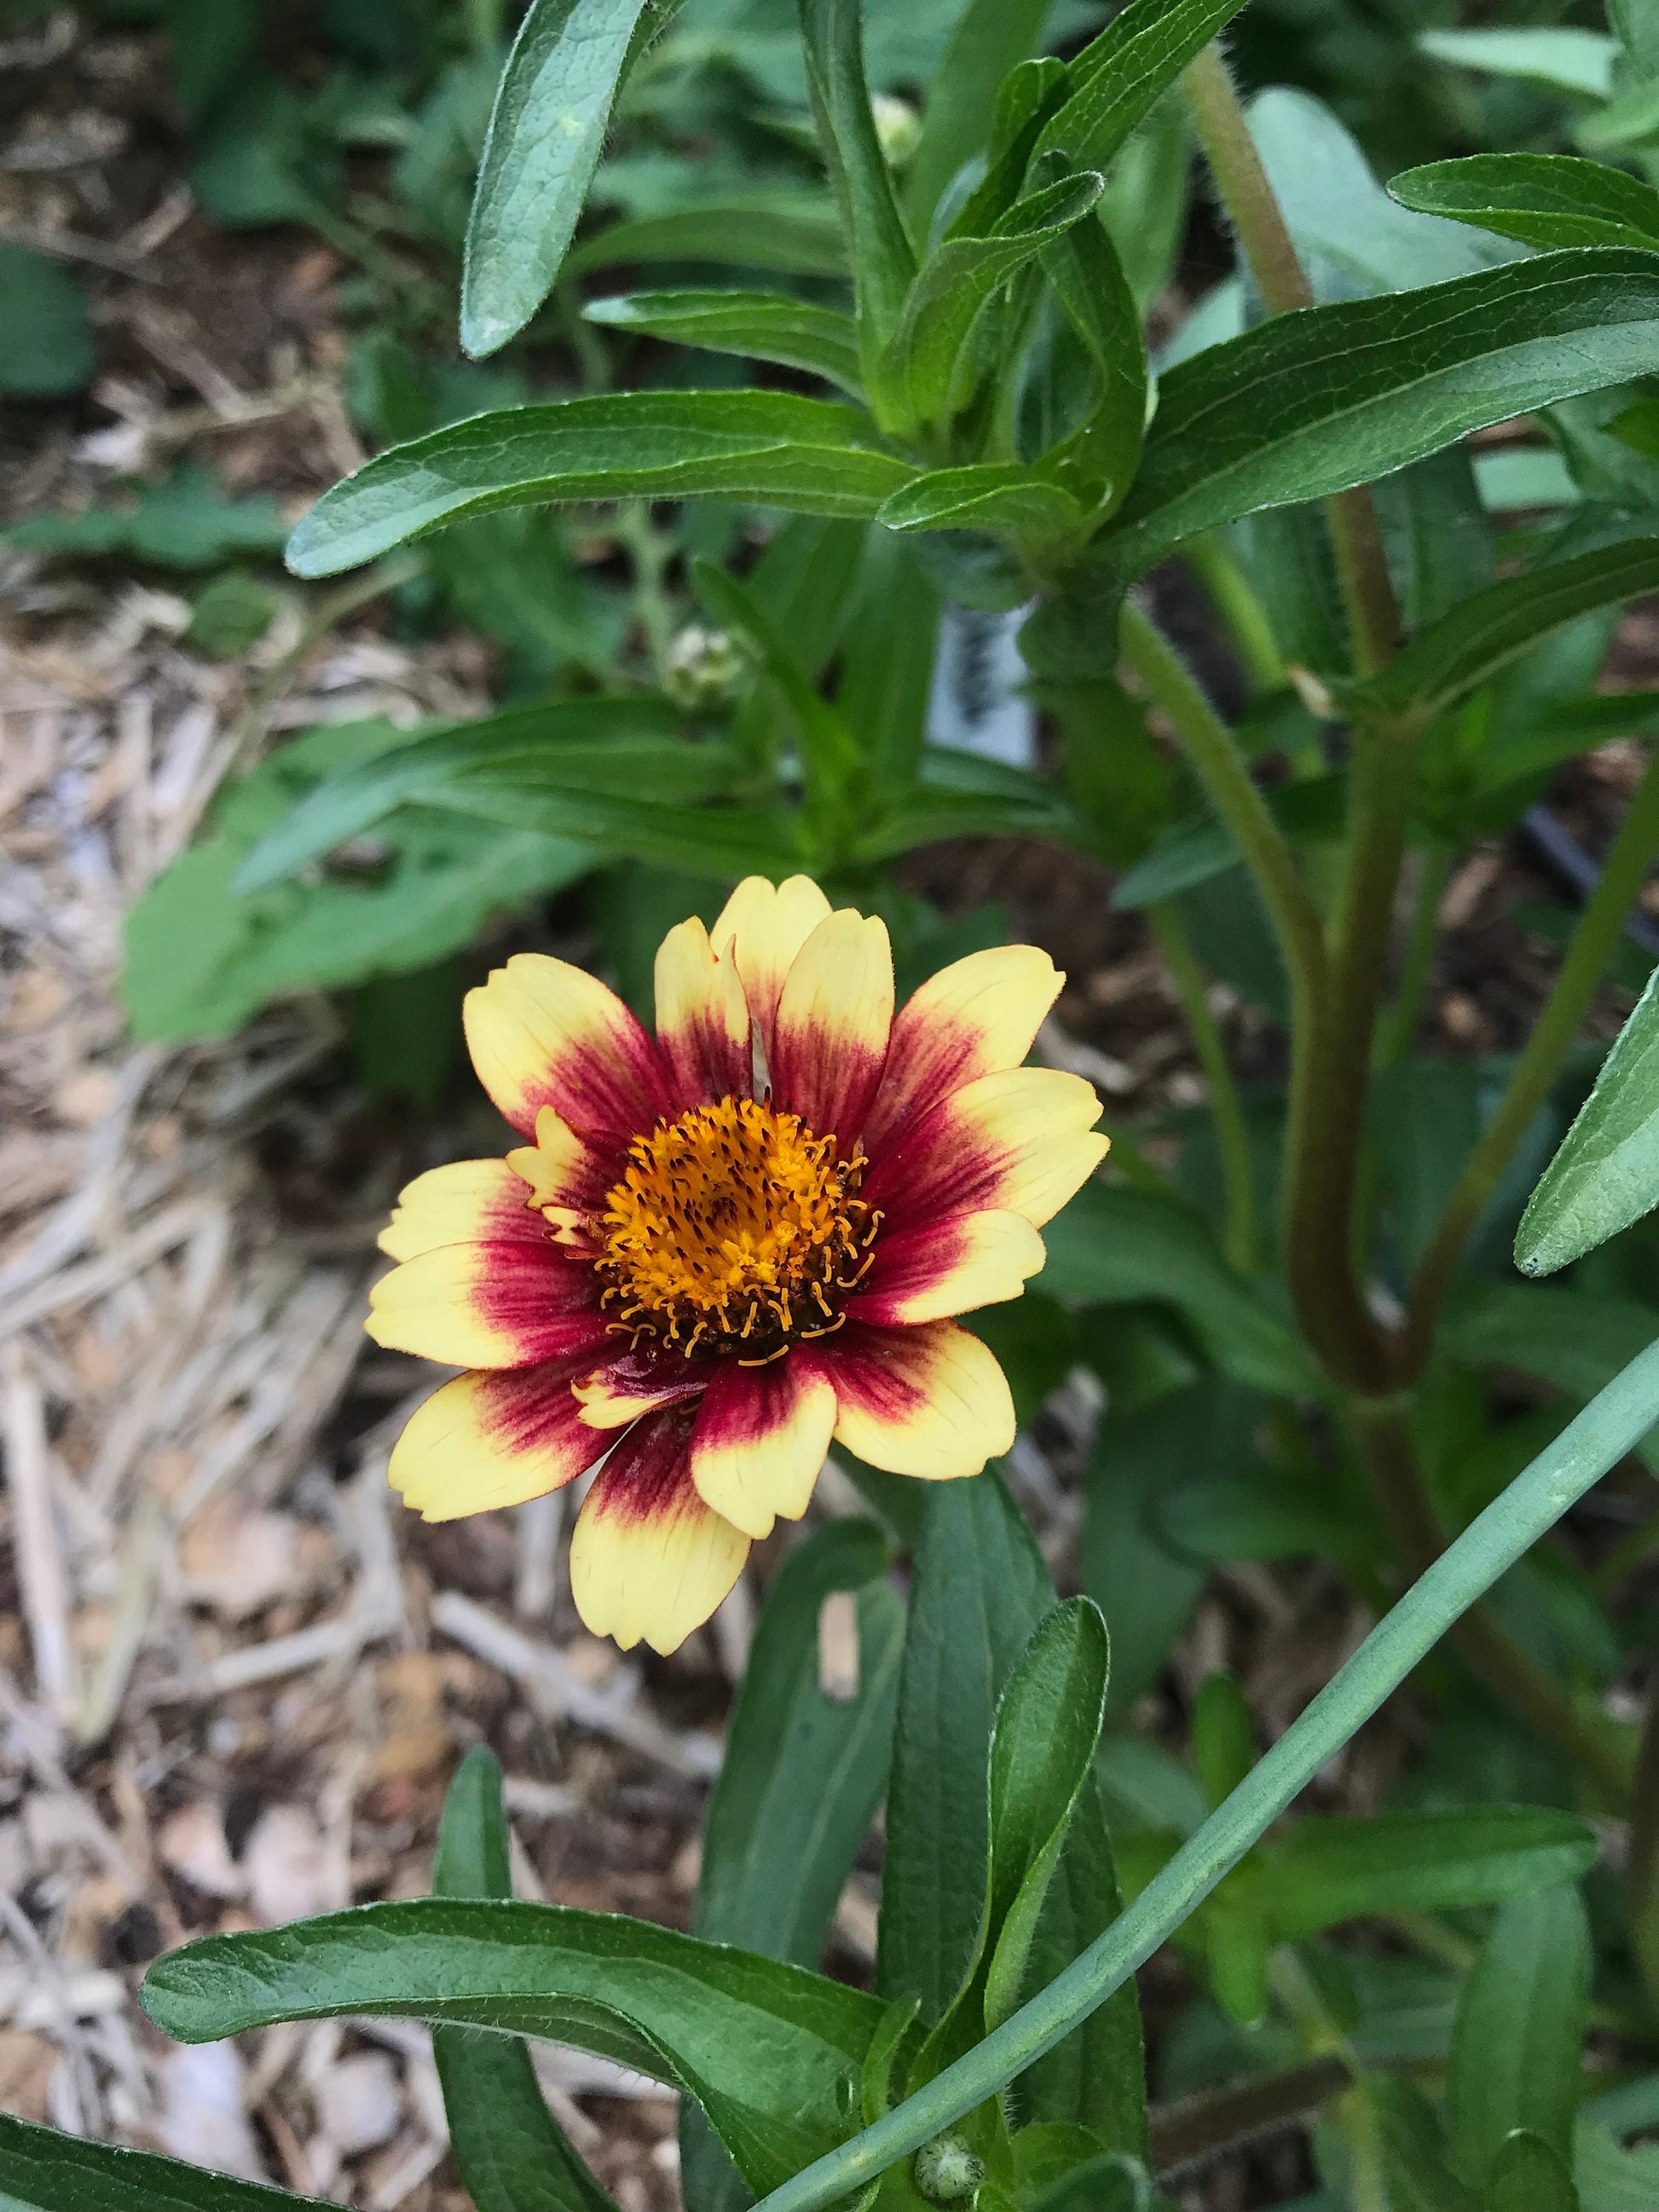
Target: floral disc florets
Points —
{"points": [[736, 1229]]}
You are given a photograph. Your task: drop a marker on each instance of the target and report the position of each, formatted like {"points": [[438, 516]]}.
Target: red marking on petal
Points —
{"points": [[537, 1293], [648, 1476]]}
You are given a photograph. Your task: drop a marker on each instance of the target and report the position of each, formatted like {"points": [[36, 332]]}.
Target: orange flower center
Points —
{"points": [[734, 1228]]}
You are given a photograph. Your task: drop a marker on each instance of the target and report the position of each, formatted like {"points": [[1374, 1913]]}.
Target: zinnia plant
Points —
{"points": [[729, 1244]]}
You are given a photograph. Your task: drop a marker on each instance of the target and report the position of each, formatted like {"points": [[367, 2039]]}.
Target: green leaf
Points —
{"points": [[185, 522], [791, 235], [1042, 1747], [1147, 1590], [766, 445], [1606, 1174], [979, 1588], [547, 131], [1518, 2049], [1313, 403], [804, 1770], [1630, 120], [1611, 2179], [884, 685], [770, 2052], [1113, 1246], [512, 2155], [1121, 74], [924, 370], [42, 2171], [1453, 656], [878, 248], [1329, 1869], [1528, 2176], [1543, 199], [199, 958], [765, 325], [1005, 496], [596, 744], [802, 1775], [988, 39], [1223, 1737], [1576, 1340], [1567, 60], [1097, 460], [1111, 2183], [46, 331]]}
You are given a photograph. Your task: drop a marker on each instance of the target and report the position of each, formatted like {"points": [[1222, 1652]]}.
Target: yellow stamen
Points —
{"points": [[728, 1223]]}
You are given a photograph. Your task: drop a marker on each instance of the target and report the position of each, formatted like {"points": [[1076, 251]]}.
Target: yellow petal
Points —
{"points": [[470, 1202], [950, 1266], [649, 1561], [702, 1020], [484, 1441], [633, 1382], [930, 1401], [765, 926], [543, 1033], [487, 1305], [978, 1017], [761, 1438], [829, 1045], [1021, 1142]]}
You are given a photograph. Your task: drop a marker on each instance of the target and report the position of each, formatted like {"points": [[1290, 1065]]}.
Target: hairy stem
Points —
{"points": [[1270, 254], [1483, 1643], [1231, 1136], [1600, 927], [1229, 593]]}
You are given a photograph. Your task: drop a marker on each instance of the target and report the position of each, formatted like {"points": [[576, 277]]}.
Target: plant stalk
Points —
{"points": [[1231, 1135], [1594, 941], [1399, 1025], [1617, 1418], [1222, 769]]}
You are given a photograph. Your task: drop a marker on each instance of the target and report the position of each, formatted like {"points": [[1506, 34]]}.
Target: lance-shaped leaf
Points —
{"points": [[1460, 651], [596, 743], [770, 2052], [1098, 460], [813, 454], [546, 133], [922, 365], [1543, 199], [878, 246], [1517, 2048], [1313, 403], [1607, 1173], [989, 39], [795, 237], [708, 841], [805, 1768], [512, 2155], [1528, 2176], [1577, 1340], [1566, 59], [1121, 75], [42, 2171], [1004, 496], [1113, 1246], [762, 325], [1328, 1871], [1028, 98]]}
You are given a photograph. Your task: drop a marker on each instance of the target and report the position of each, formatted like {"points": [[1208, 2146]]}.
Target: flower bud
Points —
{"points": [[946, 2171], [701, 668], [898, 128]]}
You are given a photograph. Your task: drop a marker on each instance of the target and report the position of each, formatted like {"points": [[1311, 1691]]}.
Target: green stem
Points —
{"points": [[1615, 1420], [1224, 772], [1329, 1082], [1230, 594], [1482, 1643], [1600, 927], [1231, 1136], [1270, 254], [1399, 1025]]}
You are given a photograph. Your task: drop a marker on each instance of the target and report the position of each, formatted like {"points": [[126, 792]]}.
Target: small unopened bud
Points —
{"points": [[702, 667], [946, 2171], [898, 128]]}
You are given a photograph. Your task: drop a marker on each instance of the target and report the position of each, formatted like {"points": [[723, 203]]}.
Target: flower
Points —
{"points": [[725, 1247]]}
